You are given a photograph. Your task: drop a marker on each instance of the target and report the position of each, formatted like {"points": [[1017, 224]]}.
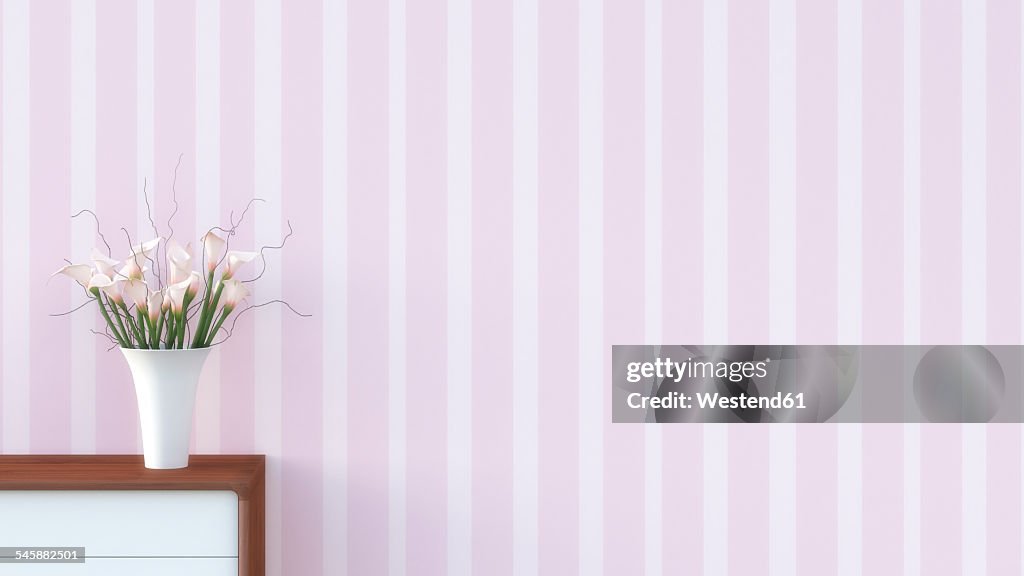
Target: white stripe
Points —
{"points": [[460, 238], [335, 327], [974, 155], [144, 115], [591, 312], [782, 499], [16, 323], [782, 270], [207, 426], [849, 484], [849, 487], [782, 171], [716, 441], [652, 272], [397, 289], [83, 231], [267, 323], [911, 271], [973, 506], [524, 288]]}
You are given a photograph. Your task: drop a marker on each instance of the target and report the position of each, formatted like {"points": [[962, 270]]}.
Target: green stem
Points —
{"points": [[204, 314], [154, 335], [124, 331], [135, 329], [169, 336], [143, 327], [216, 327], [110, 323]]}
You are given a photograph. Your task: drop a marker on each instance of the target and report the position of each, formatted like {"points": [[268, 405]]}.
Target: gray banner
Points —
{"points": [[52, 555], [817, 383]]}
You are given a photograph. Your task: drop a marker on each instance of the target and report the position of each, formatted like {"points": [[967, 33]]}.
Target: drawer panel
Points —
{"points": [[183, 523], [129, 567]]}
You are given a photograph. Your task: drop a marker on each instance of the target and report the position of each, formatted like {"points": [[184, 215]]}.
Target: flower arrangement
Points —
{"points": [[147, 306]]}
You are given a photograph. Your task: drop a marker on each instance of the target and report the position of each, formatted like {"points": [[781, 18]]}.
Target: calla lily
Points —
{"points": [[146, 249], [153, 306], [236, 259], [234, 292], [165, 305], [179, 261], [137, 292], [104, 264], [131, 271], [176, 293], [195, 282], [213, 248], [110, 287], [78, 272]]}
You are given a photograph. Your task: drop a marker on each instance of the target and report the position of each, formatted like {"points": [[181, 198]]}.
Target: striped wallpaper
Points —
{"points": [[486, 195]]}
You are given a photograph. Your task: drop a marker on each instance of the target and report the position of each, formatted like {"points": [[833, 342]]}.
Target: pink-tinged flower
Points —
{"points": [[153, 306], [104, 264], [236, 259], [195, 282], [176, 293], [137, 292], [78, 272], [165, 305], [145, 250], [131, 271], [234, 292], [179, 261], [213, 248], [110, 287]]}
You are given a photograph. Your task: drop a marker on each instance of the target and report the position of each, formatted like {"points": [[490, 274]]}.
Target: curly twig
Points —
{"points": [[98, 231], [75, 309], [250, 307], [107, 336], [174, 197], [152, 224], [263, 257]]}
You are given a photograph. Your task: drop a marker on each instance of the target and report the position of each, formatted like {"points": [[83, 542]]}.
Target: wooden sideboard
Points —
{"points": [[207, 519]]}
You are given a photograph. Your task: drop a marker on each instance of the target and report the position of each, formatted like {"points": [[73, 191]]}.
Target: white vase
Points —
{"points": [[165, 386]]}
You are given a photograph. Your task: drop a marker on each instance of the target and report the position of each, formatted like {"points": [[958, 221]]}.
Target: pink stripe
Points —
{"points": [[682, 185], [558, 281], [1003, 496], [302, 270], [748, 267], [940, 272], [117, 193], [882, 317], [1003, 500], [174, 120], [623, 265], [492, 287], [1003, 170], [816, 322], [237, 166], [427, 231], [50, 185], [368, 289]]}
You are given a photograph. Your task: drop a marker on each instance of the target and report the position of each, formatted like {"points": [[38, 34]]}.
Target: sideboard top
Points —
{"points": [[240, 473]]}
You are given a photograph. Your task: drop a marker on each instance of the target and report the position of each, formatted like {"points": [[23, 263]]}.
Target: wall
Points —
{"points": [[485, 197]]}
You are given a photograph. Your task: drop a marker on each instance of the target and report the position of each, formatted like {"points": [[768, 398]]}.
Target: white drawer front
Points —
{"points": [[130, 567], [175, 523]]}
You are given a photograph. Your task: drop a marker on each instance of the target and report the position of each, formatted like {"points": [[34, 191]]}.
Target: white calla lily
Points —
{"points": [[176, 293], [179, 261], [78, 272], [153, 305], [109, 286], [104, 264], [131, 271], [165, 305], [137, 292], [234, 292], [236, 259], [195, 282], [145, 250], [213, 249]]}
